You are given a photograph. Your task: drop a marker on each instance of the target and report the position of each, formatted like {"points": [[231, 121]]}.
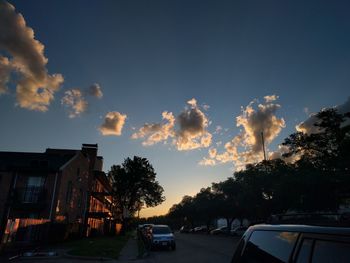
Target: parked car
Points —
{"points": [[185, 229], [200, 229], [162, 236], [218, 231], [238, 231], [293, 243]]}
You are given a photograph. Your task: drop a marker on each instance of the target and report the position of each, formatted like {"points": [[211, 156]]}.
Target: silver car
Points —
{"points": [[162, 236]]}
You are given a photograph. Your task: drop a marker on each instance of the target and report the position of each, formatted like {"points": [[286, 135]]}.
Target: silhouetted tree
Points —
{"points": [[134, 183], [230, 200]]}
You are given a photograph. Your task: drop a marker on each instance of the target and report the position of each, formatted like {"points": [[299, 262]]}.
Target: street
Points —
{"points": [[190, 248], [197, 248]]}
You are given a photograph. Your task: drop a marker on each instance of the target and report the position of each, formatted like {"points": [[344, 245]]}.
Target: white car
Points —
{"points": [[162, 236]]}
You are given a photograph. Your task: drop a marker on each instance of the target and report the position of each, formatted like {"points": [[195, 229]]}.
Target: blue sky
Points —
{"points": [[154, 56]]}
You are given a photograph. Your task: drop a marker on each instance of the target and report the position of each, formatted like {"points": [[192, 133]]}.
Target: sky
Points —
{"points": [[190, 85]]}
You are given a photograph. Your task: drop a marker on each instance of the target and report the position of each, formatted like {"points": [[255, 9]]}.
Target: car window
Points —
{"points": [[269, 246], [330, 251], [305, 251], [161, 230]]}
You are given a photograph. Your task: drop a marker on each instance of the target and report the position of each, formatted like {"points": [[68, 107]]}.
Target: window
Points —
{"points": [[305, 251], [35, 181], [69, 192], [269, 246], [331, 251], [33, 190]]}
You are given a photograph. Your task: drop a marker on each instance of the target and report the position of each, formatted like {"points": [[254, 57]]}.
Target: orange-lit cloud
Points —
{"points": [[73, 99], [5, 72], [157, 132], [187, 132], [35, 87], [308, 126], [246, 147], [113, 123]]}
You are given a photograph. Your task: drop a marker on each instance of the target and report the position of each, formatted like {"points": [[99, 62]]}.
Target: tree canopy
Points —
{"points": [[312, 176], [134, 185]]}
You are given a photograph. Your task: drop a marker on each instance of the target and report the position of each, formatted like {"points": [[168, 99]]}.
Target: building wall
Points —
{"points": [[73, 191], [21, 182], [5, 185]]}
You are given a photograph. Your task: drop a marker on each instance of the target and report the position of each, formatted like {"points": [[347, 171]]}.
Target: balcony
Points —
{"points": [[29, 198]]}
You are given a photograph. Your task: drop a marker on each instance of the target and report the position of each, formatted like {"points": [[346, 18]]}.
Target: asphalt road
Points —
{"points": [[197, 248]]}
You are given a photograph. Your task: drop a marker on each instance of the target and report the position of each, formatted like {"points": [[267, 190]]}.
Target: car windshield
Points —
{"points": [[161, 230]]}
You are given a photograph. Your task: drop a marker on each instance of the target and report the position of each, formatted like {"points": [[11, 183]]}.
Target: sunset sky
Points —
{"points": [[187, 84]]}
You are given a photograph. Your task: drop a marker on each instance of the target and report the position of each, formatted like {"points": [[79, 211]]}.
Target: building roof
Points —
{"points": [[50, 160]]}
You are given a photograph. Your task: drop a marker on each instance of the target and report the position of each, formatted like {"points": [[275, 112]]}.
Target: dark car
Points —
{"points": [[293, 243], [162, 236]]}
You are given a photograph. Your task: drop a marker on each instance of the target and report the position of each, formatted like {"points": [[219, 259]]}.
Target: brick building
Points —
{"points": [[53, 195]]}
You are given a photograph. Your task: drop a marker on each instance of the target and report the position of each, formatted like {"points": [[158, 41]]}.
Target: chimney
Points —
{"points": [[91, 151]]}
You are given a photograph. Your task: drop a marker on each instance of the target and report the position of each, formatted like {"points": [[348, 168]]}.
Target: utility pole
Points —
{"points": [[263, 145]]}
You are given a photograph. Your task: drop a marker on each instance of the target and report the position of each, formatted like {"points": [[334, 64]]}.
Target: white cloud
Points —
{"points": [[35, 87], [95, 90], [73, 99], [113, 124]]}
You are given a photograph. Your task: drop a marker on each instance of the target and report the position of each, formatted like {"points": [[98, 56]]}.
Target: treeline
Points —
{"points": [[312, 176]]}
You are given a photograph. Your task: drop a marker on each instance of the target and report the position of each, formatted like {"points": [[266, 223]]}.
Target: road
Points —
{"points": [[197, 248]]}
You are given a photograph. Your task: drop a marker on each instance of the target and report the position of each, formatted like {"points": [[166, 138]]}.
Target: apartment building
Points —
{"points": [[53, 195]]}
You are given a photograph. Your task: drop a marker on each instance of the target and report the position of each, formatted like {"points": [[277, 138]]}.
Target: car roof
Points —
{"points": [[303, 228], [160, 226]]}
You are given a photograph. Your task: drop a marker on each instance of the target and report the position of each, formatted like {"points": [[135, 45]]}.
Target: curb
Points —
{"points": [[66, 255]]}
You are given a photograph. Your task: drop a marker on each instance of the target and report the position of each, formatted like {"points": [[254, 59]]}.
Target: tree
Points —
{"points": [[322, 173], [230, 200], [134, 183]]}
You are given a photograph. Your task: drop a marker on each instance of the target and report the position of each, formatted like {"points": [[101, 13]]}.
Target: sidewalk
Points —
{"points": [[130, 251]]}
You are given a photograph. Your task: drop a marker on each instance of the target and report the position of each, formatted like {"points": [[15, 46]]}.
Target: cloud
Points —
{"points": [[193, 124], [73, 99], [207, 162], [308, 126], [113, 123], [246, 147], [270, 98], [157, 132], [190, 131], [95, 91], [278, 154], [35, 87], [5, 72]]}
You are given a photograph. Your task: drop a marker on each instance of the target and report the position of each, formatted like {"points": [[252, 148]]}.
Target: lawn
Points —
{"points": [[108, 247]]}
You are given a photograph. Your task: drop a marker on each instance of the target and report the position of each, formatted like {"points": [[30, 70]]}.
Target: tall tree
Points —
{"points": [[134, 183]]}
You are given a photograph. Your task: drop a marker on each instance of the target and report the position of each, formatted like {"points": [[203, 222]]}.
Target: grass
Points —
{"points": [[108, 247]]}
